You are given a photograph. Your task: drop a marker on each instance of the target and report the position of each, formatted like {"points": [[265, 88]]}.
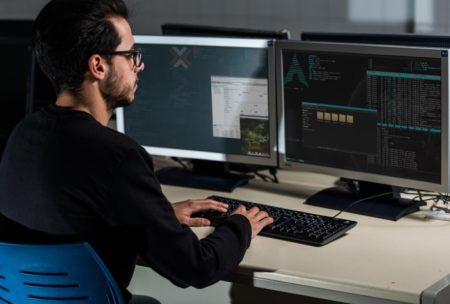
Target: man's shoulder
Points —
{"points": [[109, 141], [113, 137]]}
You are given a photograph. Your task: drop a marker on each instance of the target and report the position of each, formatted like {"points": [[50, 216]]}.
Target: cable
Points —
{"points": [[361, 200], [433, 197], [267, 178], [180, 162], [273, 172], [420, 195], [445, 200]]}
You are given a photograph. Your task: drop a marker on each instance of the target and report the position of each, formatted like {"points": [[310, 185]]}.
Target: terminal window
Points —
{"points": [[368, 113]]}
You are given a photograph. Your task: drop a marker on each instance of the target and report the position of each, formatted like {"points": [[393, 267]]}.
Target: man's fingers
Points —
{"points": [[199, 205], [266, 221], [261, 215], [198, 222]]}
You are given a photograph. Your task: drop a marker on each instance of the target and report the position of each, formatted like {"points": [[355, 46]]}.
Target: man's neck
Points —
{"points": [[94, 105]]}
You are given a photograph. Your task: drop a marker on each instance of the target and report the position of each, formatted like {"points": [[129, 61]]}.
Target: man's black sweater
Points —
{"points": [[66, 178]]}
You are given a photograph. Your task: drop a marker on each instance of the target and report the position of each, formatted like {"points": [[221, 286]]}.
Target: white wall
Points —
{"points": [[441, 17], [296, 15], [20, 9]]}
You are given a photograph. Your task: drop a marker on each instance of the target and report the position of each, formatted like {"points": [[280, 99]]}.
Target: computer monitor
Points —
{"points": [[12, 28], [374, 114], [195, 30], [23, 87], [15, 59], [41, 91], [439, 41], [210, 99]]}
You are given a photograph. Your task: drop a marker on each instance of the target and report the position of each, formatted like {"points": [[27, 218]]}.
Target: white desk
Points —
{"points": [[378, 261]]}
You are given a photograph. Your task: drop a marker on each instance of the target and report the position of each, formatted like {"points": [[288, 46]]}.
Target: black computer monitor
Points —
{"points": [[374, 114], [23, 87], [195, 30], [207, 99], [15, 60], [16, 28], [440, 41], [41, 91]]}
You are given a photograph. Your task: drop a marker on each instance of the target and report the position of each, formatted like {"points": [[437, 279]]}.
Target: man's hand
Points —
{"points": [[184, 210], [258, 219]]}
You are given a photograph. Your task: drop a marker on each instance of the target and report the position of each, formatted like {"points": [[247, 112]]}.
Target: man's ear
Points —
{"points": [[97, 66]]}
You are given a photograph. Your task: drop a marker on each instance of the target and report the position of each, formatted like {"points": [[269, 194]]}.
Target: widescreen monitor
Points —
{"points": [[205, 99], [197, 30], [439, 41], [374, 114]]}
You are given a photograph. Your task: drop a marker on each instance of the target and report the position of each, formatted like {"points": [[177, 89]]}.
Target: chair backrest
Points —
{"points": [[69, 273]]}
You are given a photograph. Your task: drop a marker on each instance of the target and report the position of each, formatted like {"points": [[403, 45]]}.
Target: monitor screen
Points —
{"points": [[182, 29], [205, 98], [369, 113], [439, 41]]}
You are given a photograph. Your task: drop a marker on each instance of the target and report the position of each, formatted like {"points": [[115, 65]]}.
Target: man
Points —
{"points": [[66, 177]]}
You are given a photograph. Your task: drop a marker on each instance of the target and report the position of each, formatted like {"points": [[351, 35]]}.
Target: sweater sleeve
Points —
{"points": [[172, 249]]}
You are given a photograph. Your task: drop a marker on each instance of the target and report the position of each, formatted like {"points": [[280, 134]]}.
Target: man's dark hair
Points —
{"points": [[67, 32]]}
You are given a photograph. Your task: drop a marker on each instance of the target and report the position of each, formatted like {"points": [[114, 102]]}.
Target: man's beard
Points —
{"points": [[115, 94]]}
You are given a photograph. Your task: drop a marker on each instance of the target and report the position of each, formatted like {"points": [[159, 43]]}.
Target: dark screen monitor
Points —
{"points": [[16, 28], [15, 60], [373, 114], [206, 99], [181, 29], [41, 91], [22, 81], [439, 41]]}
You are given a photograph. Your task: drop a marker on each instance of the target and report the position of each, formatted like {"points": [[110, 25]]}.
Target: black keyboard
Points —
{"points": [[288, 224]]}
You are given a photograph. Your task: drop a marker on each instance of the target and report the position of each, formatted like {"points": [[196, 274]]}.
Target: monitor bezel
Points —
{"points": [[272, 160], [389, 50], [405, 39], [200, 30]]}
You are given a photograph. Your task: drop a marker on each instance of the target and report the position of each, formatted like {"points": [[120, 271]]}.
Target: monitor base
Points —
{"points": [[387, 207], [185, 178]]}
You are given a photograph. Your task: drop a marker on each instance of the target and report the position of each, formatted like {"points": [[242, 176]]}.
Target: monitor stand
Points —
{"points": [[390, 206], [209, 175]]}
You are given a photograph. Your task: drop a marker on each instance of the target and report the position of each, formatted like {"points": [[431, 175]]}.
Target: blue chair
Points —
{"points": [[57, 274]]}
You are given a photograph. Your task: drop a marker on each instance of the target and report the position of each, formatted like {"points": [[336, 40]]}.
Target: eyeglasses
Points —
{"points": [[136, 55]]}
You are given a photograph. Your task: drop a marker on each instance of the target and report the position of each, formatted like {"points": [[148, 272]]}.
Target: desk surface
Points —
{"points": [[378, 261]]}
